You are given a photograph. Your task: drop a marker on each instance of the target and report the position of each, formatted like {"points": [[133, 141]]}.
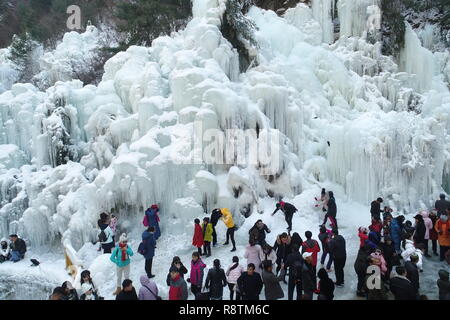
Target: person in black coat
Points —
{"points": [[250, 284], [128, 292], [294, 264], [375, 208], [412, 272], [401, 286], [18, 248], [420, 230], [215, 216], [282, 247], [272, 288], [389, 254], [258, 232], [441, 205], [176, 262], [339, 254], [360, 266], [216, 281], [326, 286], [69, 292], [288, 210], [332, 209], [308, 277]]}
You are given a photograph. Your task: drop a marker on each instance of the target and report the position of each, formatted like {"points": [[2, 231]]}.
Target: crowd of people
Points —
{"points": [[392, 255]]}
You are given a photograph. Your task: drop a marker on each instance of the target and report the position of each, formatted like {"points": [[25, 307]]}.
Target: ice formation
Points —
{"points": [[348, 117]]}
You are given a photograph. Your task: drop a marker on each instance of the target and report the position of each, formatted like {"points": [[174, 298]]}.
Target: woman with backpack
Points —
{"points": [[151, 219], [121, 258], [233, 273], [147, 249], [216, 281]]}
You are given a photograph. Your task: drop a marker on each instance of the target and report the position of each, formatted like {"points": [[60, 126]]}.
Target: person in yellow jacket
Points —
{"points": [[207, 229], [227, 218]]}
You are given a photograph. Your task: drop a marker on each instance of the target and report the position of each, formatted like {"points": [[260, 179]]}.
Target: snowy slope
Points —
{"points": [[127, 143]]}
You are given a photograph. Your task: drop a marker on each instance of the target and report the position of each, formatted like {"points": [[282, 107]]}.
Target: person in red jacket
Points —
{"points": [[178, 287], [363, 236], [197, 240], [376, 226], [312, 246]]}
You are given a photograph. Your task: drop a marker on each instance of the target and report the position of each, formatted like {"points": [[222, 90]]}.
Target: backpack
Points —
{"points": [[102, 236], [145, 221], [142, 248]]}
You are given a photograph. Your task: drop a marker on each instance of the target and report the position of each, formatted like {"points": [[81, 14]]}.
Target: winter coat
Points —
{"points": [[116, 257], [294, 260], [375, 208], [332, 210], [373, 293], [433, 232], [443, 230], [337, 247], [379, 261], [311, 246], [72, 296], [150, 244], [153, 220], [182, 270], [376, 226], [420, 232], [207, 231], [402, 288], [326, 285], [282, 249], [108, 232], [361, 261], [215, 281], [396, 231], [233, 275], [410, 249], [178, 289], [388, 253], [412, 273], [259, 235], [19, 245], [363, 237], [250, 286], [308, 276], [441, 206], [215, 217], [428, 224], [324, 239], [127, 295], [196, 276], [272, 256], [443, 285], [197, 239], [272, 287], [287, 208], [253, 254], [227, 218], [149, 290]]}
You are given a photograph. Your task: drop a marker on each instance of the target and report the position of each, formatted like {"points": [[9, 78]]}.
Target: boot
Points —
{"points": [[118, 289]]}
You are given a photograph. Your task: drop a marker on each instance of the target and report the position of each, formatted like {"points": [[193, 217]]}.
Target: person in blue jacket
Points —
{"points": [[396, 232], [152, 214], [148, 239]]}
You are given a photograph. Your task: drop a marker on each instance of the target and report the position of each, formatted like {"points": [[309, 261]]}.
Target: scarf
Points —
{"points": [[124, 251]]}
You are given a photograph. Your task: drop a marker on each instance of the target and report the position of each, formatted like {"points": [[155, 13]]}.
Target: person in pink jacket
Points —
{"points": [[428, 227], [233, 273], [196, 276], [253, 253], [379, 261]]}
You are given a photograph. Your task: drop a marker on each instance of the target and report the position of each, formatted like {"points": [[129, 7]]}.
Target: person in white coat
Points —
{"points": [[267, 253], [233, 273], [410, 249], [428, 227], [253, 253], [4, 251]]}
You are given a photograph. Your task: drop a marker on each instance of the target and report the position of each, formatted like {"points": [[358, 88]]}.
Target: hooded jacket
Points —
{"points": [[148, 286], [196, 276], [150, 244], [428, 224], [178, 289], [227, 217], [207, 231]]}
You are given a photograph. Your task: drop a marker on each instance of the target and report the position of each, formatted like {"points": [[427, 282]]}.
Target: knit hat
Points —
{"points": [[85, 287], [306, 255], [123, 237]]}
